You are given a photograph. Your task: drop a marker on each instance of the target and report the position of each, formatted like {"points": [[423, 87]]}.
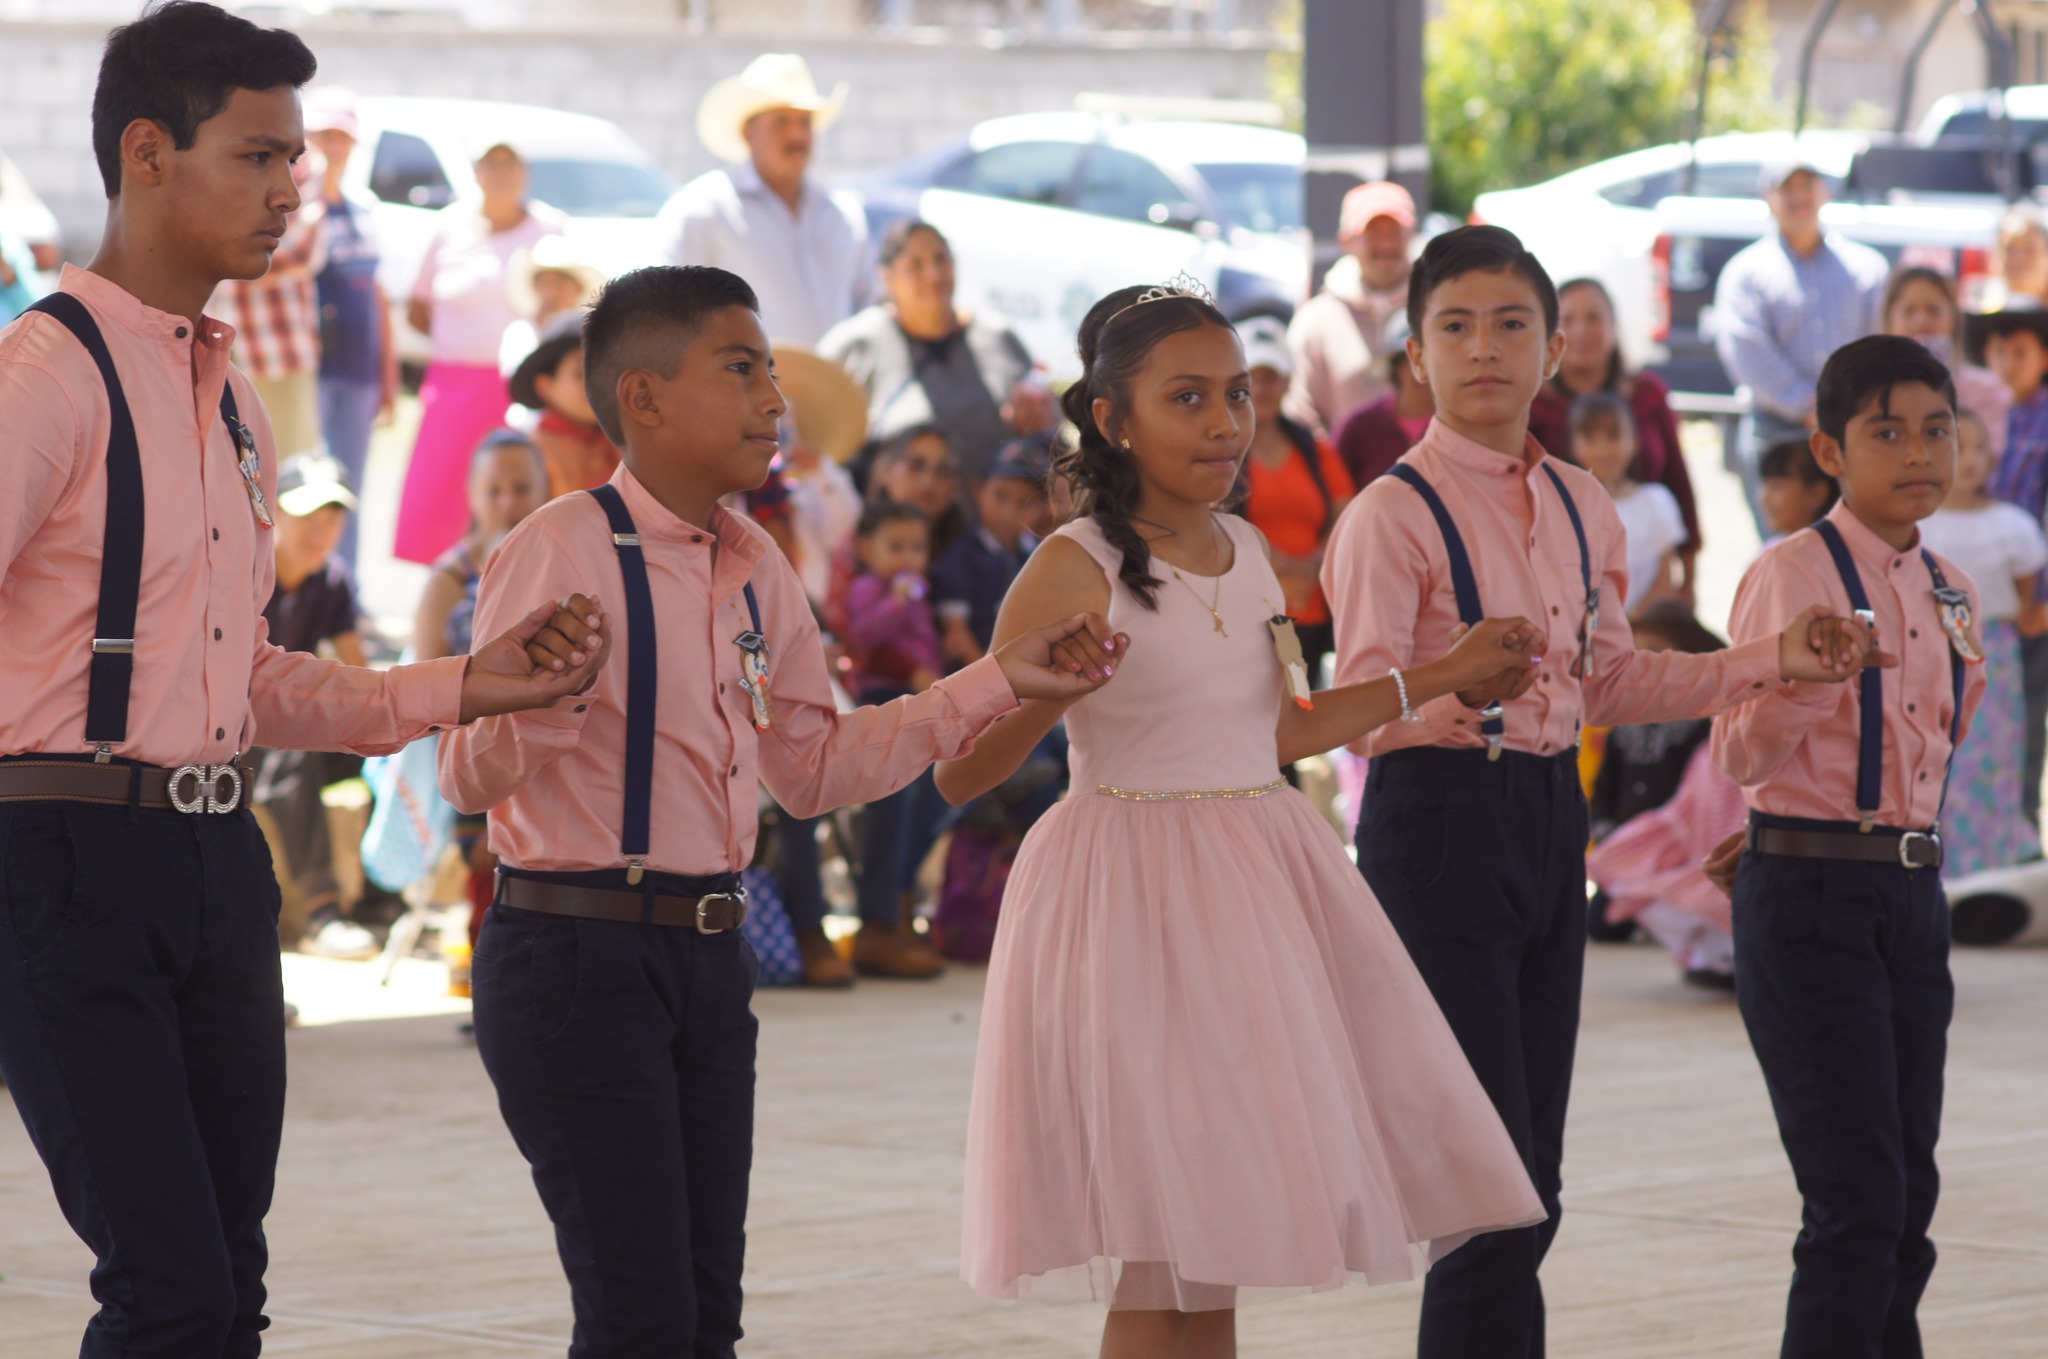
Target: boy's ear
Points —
{"points": [[144, 145], [639, 402], [1553, 354], [1827, 451]]}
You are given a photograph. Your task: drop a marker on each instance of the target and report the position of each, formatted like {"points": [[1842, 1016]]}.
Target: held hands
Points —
{"points": [[1825, 648], [1064, 661], [551, 653], [1495, 661]]}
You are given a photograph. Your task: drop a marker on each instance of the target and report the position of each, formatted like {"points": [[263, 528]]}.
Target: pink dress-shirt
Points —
{"points": [[207, 684], [553, 779], [1389, 583], [1795, 751]]}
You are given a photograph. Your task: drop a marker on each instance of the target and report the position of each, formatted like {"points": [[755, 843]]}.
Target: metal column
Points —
{"points": [[1361, 82]]}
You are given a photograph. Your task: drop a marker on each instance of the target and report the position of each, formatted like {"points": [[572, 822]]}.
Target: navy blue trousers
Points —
{"points": [[1842, 973], [623, 1056], [142, 1039], [1481, 867]]}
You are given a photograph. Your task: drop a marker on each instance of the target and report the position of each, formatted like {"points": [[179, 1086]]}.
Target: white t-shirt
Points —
{"points": [[1650, 515], [1997, 545]]}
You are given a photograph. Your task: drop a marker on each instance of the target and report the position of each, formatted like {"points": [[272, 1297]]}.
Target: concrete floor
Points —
{"points": [[405, 1227]]}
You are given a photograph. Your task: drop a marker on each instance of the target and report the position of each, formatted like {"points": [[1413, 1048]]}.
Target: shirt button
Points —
{"points": [[1911, 708], [721, 686], [433, 729], [696, 537], [1759, 684], [581, 707], [1923, 776], [216, 535], [735, 771], [1913, 633], [220, 733], [1553, 611], [216, 634], [181, 332]]}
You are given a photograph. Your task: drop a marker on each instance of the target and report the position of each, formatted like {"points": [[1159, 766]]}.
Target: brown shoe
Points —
{"points": [[822, 964], [895, 951]]}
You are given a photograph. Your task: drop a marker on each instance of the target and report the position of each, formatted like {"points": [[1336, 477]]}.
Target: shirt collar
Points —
{"points": [[111, 302], [747, 181], [1026, 543], [1870, 552], [1462, 452], [652, 519]]}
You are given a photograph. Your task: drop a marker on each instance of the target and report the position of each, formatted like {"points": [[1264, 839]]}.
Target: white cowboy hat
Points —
{"points": [[775, 80], [549, 254]]}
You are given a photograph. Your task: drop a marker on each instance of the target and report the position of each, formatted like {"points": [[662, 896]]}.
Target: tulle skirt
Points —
{"points": [[1208, 1073]]}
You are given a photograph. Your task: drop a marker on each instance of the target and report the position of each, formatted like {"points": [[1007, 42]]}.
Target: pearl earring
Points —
{"points": [[1127, 445]]}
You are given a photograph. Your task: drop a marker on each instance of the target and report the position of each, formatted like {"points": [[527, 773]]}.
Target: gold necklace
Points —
{"points": [[1216, 596]]}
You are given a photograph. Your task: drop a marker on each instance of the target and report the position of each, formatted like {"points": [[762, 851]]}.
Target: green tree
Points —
{"points": [[1520, 90]]}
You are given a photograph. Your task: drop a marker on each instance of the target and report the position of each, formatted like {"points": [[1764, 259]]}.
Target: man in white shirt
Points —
{"points": [[803, 249]]}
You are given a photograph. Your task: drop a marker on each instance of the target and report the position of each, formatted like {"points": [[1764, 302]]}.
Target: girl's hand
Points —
{"points": [[1494, 661], [1065, 660], [1824, 648]]}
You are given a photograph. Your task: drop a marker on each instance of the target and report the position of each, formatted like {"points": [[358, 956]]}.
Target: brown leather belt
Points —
{"points": [[195, 789], [1908, 849], [714, 914]]}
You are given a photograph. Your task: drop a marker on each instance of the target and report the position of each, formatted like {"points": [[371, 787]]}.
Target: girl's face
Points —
{"points": [[923, 474], [1605, 448], [1922, 310], [920, 279], [2023, 260], [1269, 389], [898, 547], [1188, 415], [1973, 457], [1587, 324], [1483, 351], [505, 486]]}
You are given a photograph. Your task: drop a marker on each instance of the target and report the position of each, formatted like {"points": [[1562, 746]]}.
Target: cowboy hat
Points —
{"points": [[830, 409], [2022, 313], [550, 254], [777, 80]]}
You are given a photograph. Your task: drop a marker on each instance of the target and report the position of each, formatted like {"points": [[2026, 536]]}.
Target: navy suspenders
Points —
{"points": [[1465, 585], [1870, 744], [642, 680]]}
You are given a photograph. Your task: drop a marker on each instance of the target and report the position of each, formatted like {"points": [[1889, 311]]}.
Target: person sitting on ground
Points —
{"points": [[550, 381], [970, 578]]}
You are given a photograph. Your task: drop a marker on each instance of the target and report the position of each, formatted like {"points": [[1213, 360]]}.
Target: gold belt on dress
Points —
{"points": [[1189, 794]]}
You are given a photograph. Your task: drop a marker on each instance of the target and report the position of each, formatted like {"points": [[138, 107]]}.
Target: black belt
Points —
{"points": [[1881, 845], [713, 913], [194, 789]]}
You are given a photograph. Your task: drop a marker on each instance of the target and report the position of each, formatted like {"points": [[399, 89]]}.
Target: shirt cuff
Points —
{"points": [[980, 691], [1753, 668], [427, 695]]}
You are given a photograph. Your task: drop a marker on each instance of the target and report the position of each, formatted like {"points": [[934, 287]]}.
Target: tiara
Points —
{"points": [[1182, 284]]}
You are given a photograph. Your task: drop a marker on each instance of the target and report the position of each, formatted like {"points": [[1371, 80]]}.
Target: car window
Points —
{"points": [[1711, 179], [1117, 183], [600, 188], [1257, 197], [1029, 172], [406, 170], [1644, 191]]}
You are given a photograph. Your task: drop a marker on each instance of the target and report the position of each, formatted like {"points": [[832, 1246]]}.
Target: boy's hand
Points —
{"points": [[1502, 651], [1824, 648], [555, 651], [1065, 660], [1720, 866]]}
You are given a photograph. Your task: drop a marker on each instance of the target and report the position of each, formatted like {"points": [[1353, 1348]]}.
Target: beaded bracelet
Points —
{"points": [[1408, 714]]}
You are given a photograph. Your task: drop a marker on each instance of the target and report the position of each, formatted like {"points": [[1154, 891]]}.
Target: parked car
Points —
{"points": [[415, 157], [1600, 221], [1047, 212], [25, 216]]}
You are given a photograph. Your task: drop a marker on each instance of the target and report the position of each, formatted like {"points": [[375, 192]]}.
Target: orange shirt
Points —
{"points": [[207, 684], [1283, 503], [1795, 751], [553, 779], [1389, 584]]}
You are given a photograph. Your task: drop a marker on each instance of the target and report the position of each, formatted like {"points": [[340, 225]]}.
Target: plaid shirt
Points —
{"points": [[2022, 475], [277, 317]]}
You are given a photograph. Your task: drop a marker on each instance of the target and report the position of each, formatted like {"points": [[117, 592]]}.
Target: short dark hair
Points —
{"points": [[1674, 620], [1475, 250], [897, 238], [879, 514], [644, 319], [1791, 457], [1596, 408], [177, 66], [1871, 367]]}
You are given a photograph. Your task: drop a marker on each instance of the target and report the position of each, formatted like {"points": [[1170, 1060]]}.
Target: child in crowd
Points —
{"points": [[1473, 833], [1795, 493], [1204, 1062], [2003, 550], [612, 983], [508, 480], [889, 601], [1603, 434], [1372, 438], [1920, 304], [1841, 925], [550, 380], [970, 578]]}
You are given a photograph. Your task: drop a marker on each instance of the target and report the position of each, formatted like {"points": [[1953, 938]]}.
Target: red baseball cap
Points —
{"points": [[1381, 198]]}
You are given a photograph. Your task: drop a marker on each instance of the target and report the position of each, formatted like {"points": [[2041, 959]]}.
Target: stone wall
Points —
{"points": [[910, 92]]}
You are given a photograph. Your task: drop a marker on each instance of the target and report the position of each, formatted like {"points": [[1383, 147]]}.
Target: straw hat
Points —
{"points": [[830, 409], [777, 80], [549, 254]]}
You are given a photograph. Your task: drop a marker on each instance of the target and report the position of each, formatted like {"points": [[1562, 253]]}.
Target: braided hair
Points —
{"points": [[1116, 338]]}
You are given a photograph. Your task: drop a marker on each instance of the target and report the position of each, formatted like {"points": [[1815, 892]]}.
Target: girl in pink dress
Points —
{"points": [[1208, 1072]]}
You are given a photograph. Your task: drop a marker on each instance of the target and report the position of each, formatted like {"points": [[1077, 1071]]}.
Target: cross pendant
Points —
{"points": [[1219, 623]]}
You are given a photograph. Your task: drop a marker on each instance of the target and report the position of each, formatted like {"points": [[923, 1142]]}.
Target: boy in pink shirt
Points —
{"points": [[1841, 926], [612, 983]]}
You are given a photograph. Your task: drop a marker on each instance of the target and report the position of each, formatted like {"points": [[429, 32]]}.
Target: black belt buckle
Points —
{"points": [[1920, 849], [206, 782], [739, 896]]}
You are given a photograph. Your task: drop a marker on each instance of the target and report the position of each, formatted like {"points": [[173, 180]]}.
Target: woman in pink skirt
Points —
{"points": [[1208, 1072], [462, 304]]}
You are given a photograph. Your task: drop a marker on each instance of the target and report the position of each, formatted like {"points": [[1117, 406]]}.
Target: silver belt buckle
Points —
{"points": [[1930, 857], [206, 779], [703, 901]]}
